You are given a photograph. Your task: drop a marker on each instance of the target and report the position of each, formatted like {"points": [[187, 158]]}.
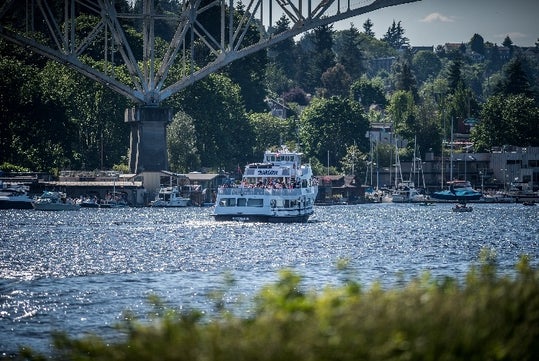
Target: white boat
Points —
{"points": [[280, 189], [54, 201], [15, 197], [88, 202], [170, 197], [406, 192]]}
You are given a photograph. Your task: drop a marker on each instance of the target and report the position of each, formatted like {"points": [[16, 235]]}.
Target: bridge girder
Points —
{"points": [[65, 40]]}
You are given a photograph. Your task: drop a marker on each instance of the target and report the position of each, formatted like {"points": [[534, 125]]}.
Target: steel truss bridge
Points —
{"points": [[65, 40]]}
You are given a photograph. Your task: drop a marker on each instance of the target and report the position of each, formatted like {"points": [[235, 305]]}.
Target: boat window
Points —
{"points": [[255, 202], [228, 202], [241, 202]]}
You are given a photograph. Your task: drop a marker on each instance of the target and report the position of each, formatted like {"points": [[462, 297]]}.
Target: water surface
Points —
{"points": [[79, 271]]}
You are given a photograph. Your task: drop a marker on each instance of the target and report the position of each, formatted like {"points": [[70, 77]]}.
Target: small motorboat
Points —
{"points": [[55, 201], [462, 208], [170, 197], [15, 198]]}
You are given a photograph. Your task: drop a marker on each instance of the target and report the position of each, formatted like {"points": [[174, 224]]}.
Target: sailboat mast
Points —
{"points": [[451, 154]]}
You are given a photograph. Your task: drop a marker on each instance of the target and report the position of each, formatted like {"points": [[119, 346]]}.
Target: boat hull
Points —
{"points": [[56, 207], [174, 204], [15, 204], [449, 196], [262, 218]]}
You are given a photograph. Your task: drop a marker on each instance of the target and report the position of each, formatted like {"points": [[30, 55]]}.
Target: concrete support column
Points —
{"points": [[148, 143]]}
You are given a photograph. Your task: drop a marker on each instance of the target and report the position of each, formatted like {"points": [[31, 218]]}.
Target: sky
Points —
{"points": [[435, 22]]}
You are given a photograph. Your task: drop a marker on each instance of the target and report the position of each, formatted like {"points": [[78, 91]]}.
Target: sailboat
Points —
{"points": [[405, 190], [459, 190]]}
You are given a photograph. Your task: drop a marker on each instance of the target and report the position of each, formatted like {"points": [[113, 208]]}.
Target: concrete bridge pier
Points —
{"points": [[148, 143]]}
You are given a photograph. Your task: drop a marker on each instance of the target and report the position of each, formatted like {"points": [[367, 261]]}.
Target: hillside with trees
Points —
{"points": [[333, 85]]}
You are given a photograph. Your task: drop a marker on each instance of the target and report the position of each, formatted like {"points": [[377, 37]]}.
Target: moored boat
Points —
{"points": [[170, 197], [280, 189], [406, 192], [54, 201], [88, 202], [459, 190], [15, 198]]}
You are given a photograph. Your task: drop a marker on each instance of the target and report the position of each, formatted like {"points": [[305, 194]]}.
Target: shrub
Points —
{"points": [[485, 317]]}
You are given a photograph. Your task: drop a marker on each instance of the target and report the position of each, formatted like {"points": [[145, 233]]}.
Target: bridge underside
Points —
{"points": [[67, 41]]}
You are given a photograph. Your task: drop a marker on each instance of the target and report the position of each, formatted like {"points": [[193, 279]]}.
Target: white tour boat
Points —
{"points": [[280, 189]]}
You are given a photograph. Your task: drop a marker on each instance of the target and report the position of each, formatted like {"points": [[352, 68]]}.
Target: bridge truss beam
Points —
{"points": [[65, 40]]}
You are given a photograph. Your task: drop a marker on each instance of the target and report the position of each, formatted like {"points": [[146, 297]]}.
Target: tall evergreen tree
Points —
{"points": [[395, 36], [283, 53], [454, 75], [322, 58], [514, 81], [494, 60], [405, 79], [350, 54], [477, 44], [367, 28]]}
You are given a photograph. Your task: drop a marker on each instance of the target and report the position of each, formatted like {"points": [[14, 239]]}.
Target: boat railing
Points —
{"points": [[246, 191]]}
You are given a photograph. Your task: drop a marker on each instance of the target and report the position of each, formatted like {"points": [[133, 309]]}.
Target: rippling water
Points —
{"points": [[79, 271]]}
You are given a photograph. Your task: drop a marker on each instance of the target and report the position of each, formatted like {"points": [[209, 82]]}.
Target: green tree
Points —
{"points": [[183, 154], [507, 42], [283, 53], [322, 57], [276, 80], [454, 75], [460, 105], [224, 136], [404, 78], [477, 44], [514, 79], [102, 137], [331, 125], [507, 120], [349, 53], [336, 81], [35, 132], [367, 28], [354, 161], [395, 36], [270, 131], [402, 113], [246, 71], [425, 64], [494, 60], [368, 92]]}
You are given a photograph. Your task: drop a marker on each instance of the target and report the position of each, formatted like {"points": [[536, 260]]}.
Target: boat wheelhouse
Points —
{"points": [[280, 189], [170, 197]]}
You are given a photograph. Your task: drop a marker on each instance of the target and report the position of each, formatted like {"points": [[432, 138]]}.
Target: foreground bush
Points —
{"points": [[487, 317]]}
